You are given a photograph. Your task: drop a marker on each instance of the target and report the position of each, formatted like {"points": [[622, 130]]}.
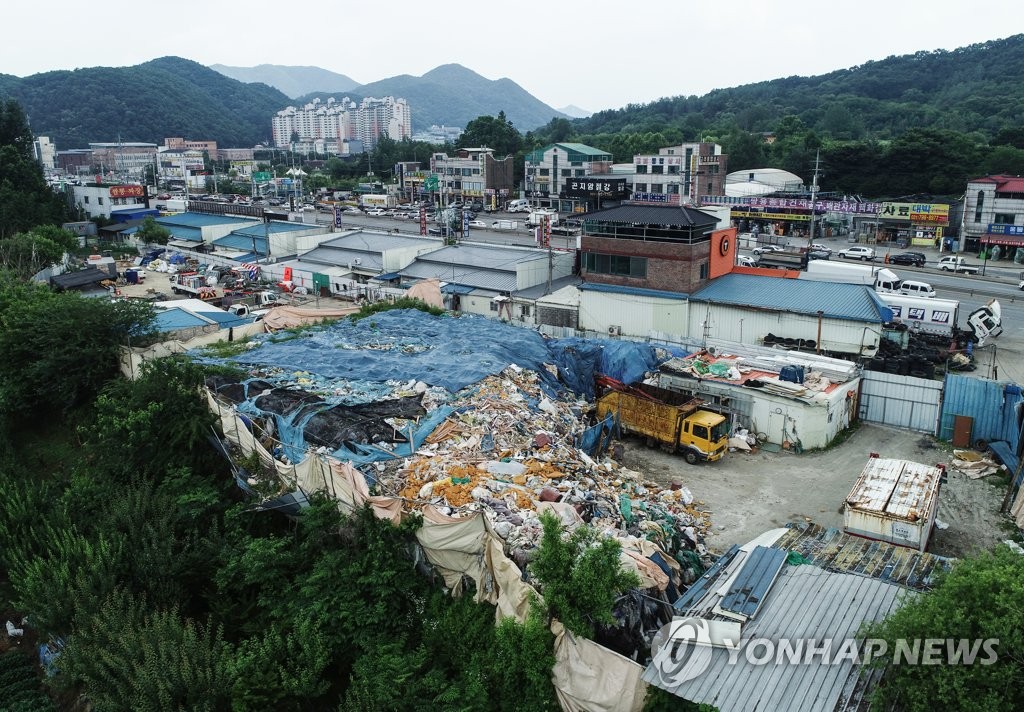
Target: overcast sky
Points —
{"points": [[596, 54]]}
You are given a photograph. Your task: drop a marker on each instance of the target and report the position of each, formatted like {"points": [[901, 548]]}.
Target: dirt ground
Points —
{"points": [[747, 494]]}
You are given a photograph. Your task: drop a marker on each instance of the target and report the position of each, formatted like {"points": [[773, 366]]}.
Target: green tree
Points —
{"points": [[60, 349], [580, 575], [495, 132], [133, 659], [153, 232], [978, 600], [25, 199], [24, 254]]}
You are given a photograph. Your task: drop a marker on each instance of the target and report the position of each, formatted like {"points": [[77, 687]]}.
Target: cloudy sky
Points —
{"points": [[595, 54]]}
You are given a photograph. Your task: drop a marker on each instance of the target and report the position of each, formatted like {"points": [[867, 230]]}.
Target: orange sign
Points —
{"points": [[126, 191]]}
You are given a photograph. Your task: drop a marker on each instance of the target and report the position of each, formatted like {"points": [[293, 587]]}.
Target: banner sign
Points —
{"points": [[1003, 229], [423, 221], [762, 215], [933, 213], [585, 187], [126, 191], [829, 206], [650, 197], [337, 216]]}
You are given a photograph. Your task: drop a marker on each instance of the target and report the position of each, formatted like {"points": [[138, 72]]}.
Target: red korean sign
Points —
{"points": [[126, 191]]}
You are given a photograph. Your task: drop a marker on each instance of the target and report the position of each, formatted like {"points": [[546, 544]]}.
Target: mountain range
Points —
{"points": [[293, 81]]}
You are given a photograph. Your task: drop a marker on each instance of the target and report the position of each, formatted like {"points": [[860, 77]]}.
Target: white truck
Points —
{"points": [[882, 279], [537, 217], [519, 206], [939, 318], [956, 263]]}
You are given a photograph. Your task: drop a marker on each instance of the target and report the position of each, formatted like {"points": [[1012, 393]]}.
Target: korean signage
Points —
{"points": [[830, 206], [919, 314], [1001, 229], [928, 213], [337, 216], [763, 215], [126, 191], [585, 187], [261, 176], [650, 197]]}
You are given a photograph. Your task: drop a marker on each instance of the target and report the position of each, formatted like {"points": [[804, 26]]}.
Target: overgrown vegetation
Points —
{"points": [[402, 303]]}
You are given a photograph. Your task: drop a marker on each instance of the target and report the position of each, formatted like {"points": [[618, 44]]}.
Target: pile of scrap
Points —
{"points": [[973, 464]]}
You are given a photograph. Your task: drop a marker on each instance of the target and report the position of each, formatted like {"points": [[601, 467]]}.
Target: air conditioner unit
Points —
{"points": [[614, 330], [357, 261], [713, 351]]}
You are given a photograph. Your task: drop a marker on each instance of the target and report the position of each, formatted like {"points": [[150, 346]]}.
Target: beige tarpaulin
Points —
{"points": [[1017, 510], [590, 678], [428, 291], [290, 317]]}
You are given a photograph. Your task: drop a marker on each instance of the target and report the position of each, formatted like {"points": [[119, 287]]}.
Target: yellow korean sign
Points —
{"points": [[921, 213]]}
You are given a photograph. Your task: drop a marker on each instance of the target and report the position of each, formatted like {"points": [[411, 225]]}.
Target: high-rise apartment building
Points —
{"points": [[335, 122]]}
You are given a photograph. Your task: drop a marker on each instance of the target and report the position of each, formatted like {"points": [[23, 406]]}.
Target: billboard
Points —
{"points": [[588, 187], [126, 191], [927, 213]]}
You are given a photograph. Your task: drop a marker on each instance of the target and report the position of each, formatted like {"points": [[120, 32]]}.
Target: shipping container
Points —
{"points": [[894, 501]]}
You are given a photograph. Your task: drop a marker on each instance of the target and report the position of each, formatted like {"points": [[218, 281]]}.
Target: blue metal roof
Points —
{"points": [[189, 234], [173, 319], [275, 227], [854, 302], [203, 220], [389, 275], [244, 243], [457, 289], [634, 291]]}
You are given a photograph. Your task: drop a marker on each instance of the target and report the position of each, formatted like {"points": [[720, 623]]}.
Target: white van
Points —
{"points": [[916, 289], [519, 206]]}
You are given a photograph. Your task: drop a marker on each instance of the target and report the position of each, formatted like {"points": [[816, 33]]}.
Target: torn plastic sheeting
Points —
{"points": [[406, 344], [597, 437], [365, 454], [579, 360]]}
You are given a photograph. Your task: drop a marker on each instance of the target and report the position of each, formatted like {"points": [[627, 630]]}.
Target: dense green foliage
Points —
{"points": [[579, 575], [25, 200], [148, 102], [403, 303], [978, 600], [20, 687], [151, 232]]}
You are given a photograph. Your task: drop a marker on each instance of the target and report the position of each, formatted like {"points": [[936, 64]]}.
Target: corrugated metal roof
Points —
{"points": [[175, 319], [303, 266], [895, 488], [541, 290], [245, 243], [651, 215], [490, 279], [634, 291], [187, 234], [332, 256], [483, 267], [835, 550], [806, 603], [852, 302], [276, 227], [81, 278], [202, 220]]}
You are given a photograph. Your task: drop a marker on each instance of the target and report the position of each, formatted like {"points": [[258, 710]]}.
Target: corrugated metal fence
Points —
{"points": [[995, 406], [900, 401]]}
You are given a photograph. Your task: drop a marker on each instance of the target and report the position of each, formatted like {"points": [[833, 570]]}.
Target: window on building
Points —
{"points": [[703, 270], [494, 306], [99, 201], [978, 206], [658, 170], [525, 311], [672, 189], [1003, 219], [580, 173], [641, 169], [545, 171], [673, 170], [617, 265], [85, 199], [567, 172], [711, 187], [640, 187], [530, 171], [657, 188]]}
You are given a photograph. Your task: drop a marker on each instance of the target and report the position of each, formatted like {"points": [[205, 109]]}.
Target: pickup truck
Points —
{"points": [[955, 263]]}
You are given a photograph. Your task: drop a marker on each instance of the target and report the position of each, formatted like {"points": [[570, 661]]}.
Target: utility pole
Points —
{"points": [[551, 256], [814, 194]]}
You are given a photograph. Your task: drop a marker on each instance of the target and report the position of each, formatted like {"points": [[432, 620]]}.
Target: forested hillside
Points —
{"points": [[148, 102], [975, 88]]}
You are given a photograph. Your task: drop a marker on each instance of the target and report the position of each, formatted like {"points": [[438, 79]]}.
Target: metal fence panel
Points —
{"points": [[900, 401]]}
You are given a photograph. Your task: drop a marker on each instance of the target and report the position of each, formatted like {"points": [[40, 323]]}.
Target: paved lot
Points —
{"points": [[747, 494]]}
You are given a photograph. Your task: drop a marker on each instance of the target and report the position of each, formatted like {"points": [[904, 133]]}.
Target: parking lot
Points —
{"points": [[749, 493]]}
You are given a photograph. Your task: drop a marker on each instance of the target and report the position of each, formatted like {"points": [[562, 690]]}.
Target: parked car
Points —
{"points": [[911, 259], [746, 261], [857, 252], [477, 223], [820, 248], [914, 288], [377, 212], [352, 211], [761, 249], [813, 254]]}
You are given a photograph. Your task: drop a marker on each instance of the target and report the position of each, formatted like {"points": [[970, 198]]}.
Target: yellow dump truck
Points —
{"points": [[676, 422]]}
